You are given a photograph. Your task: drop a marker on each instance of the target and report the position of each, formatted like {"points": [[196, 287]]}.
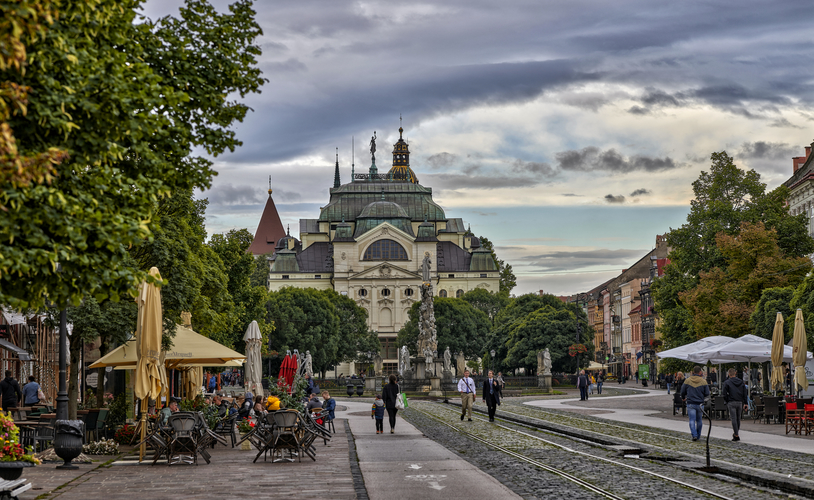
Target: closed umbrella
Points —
{"points": [[777, 354], [799, 347], [254, 369], [149, 327]]}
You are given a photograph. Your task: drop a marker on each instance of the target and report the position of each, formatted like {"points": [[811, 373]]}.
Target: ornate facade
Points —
{"points": [[369, 242]]}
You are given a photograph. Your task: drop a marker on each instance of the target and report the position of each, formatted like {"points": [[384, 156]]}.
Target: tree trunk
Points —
{"points": [[104, 346], [73, 381]]}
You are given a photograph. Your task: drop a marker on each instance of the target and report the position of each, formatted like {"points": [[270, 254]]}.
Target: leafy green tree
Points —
{"points": [[803, 298], [355, 341], [194, 273], [458, 326], [249, 300], [772, 301], [725, 197], [260, 271], [127, 99], [507, 278], [536, 322], [490, 303], [725, 297]]}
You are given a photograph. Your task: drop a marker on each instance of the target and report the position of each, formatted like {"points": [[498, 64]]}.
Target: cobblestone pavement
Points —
{"points": [[531, 482], [231, 474]]}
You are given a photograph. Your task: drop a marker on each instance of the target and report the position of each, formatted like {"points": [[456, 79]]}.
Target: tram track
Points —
{"points": [[561, 473], [774, 479]]}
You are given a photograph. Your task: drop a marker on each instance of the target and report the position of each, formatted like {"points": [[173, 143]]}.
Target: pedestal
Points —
{"points": [[448, 376], [435, 387], [544, 383], [370, 385]]}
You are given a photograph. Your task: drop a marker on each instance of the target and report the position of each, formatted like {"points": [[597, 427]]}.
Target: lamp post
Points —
{"points": [[579, 335], [62, 394], [492, 352]]}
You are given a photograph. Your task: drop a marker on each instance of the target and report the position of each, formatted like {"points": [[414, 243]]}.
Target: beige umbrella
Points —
{"points": [[777, 354], [799, 348], [254, 367], [193, 377], [149, 327]]}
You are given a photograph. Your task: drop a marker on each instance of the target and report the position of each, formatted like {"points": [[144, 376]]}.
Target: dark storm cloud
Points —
{"points": [[576, 259], [640, 192], [441, 160], [614, 199], [231, 195], [656, 97], [768, 150], [532, 167], [592, 158], [783, 123], [638, 110], [453, 182]]}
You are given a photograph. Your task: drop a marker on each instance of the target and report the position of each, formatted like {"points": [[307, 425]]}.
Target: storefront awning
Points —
{"points": [[21, 353]]}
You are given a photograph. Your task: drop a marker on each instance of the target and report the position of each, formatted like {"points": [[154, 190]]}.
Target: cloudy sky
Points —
{"points": [[568, 133]]}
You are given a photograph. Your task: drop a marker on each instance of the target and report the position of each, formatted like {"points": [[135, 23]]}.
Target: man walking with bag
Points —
{"points": [[736, 400], [491, 394], [694, 392], [466, 386]]}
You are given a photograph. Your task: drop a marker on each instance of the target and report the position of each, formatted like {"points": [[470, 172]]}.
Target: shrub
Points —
{"points": [[103, 447], [125, 434]]}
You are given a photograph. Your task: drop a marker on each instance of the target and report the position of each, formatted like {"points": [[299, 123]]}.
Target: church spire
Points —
{"points": [[336, 172]]}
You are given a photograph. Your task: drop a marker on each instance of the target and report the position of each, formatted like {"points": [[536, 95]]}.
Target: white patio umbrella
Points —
{"points": [[684, 352], [254, 368], [741, 350]]}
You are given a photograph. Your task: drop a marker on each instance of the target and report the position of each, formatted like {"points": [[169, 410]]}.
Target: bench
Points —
{"points": [[11, 489]]}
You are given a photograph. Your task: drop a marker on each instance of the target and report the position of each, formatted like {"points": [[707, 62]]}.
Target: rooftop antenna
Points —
{"points": [[352, 159], [269, 186]]}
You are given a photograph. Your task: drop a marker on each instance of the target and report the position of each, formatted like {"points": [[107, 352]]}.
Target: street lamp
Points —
{"points": [[492, 352]]}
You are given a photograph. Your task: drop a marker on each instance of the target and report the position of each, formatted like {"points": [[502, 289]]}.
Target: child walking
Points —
{"points": [[377, 413]]}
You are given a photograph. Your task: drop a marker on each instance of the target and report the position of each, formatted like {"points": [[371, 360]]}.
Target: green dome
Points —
{"points": [[383, 210]]}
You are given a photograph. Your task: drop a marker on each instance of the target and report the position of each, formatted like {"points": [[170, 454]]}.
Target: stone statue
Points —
{"points": [[428, 361], [404, 361], [377, 364], [373, 146], [546, 362], [460, 364], [425, 269], [539, 362], [447, 360], [308, 363]]}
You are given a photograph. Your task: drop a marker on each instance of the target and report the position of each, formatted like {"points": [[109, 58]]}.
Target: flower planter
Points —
{"points": [[13, 470], [245, 445]]}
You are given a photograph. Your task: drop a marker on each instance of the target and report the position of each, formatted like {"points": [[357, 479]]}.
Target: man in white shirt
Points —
{"points": [[466, 386]]}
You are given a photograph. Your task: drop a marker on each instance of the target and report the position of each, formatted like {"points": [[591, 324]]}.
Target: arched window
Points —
{"points": [[362, 292], [442, 293], [385, 292], [459, 293], [408, 292], [385, 250]]}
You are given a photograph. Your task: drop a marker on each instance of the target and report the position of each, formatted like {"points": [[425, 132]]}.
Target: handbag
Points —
{"points": [[400, 400]]}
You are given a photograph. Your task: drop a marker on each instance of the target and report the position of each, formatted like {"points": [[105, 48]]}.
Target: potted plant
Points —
{"points": [[13, 456], [244, 427]]}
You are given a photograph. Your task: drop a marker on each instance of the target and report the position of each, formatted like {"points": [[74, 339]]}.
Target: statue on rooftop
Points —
{"points": [[373, 146]]}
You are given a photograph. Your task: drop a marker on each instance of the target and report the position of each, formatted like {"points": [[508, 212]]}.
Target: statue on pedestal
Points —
{"points": [[460, 364], [546, 362], [405, 370], [309, 368], [447, 360], [377, 364]]}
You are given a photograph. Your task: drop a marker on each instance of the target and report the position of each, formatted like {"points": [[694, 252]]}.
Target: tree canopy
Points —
{"points": [[702, 280], [490, 303], [507, 278], [126, 99], [458, 326]]}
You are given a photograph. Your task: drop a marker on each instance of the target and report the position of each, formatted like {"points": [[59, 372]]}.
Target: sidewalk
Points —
{"points": [[409, 466], [654, 409]]}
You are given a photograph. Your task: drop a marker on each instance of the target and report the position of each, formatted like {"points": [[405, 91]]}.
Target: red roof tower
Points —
{"points": [[269, 231]]}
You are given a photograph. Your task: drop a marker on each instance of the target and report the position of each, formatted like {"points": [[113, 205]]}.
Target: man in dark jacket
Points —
{"points": [[669, 381], [11, 392], [736, 399], [582, 385], [491, 394], [694, 391]]}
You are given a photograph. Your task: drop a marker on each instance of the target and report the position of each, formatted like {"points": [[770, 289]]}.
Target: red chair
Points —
{"points": [[808, 416], [795, 418]]}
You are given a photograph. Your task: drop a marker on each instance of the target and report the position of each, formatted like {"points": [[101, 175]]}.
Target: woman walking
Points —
{"points": [[389, 394]]}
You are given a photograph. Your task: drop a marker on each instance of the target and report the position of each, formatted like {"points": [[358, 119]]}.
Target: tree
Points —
{"points": [[530, 323], [772, 301], [507, 278], [355, 340], [249, 299], [803, 298], [194, 273], [260, 272], [127, 101], [490, 303], [458, 326], [725, 197]]}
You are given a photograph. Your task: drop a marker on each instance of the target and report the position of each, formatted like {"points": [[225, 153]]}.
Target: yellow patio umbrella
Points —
{"points": [[799, 346], [777, 353], [149, 327]]}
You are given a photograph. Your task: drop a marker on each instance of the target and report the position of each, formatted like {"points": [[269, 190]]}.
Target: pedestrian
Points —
{"points": [[10, 390], [591, 383], [678, 380], [501, 383], [600, 379], [694, 391], [736, 399], [636, 376], [712, 378], [31, 392], [389, 395], [328, 407], [668, 379], [491, 395], [377, 413], [582, 385], [466, 386]]}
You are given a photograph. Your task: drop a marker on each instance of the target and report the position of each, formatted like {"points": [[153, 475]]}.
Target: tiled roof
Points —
{"points": [[309, 226], [269, 231], [316, 258], [454, 226], [450, 257], [348, 201]]}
